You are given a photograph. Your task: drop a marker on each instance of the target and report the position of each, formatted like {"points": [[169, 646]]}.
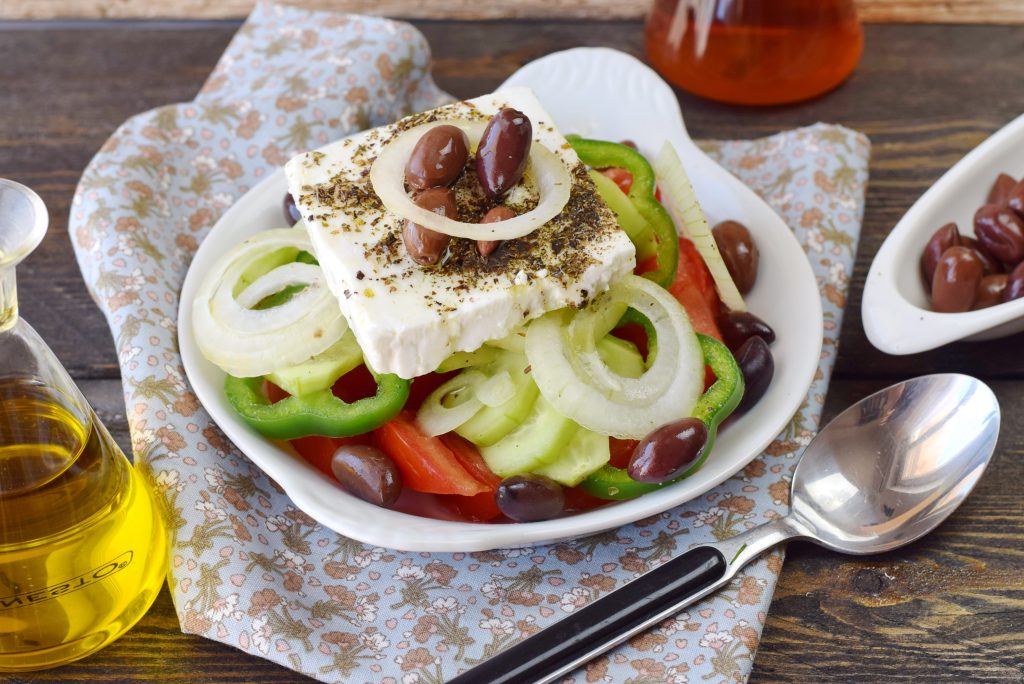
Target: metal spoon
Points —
{"points": [[883, 473]]}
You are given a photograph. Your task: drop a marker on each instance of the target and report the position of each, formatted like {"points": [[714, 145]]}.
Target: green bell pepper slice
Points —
{"points": [[600, 154], [318, 413], [714, 406]]}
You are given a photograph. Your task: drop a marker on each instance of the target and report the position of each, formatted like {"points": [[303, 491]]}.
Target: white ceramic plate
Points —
{"points": [[597, 92], [897, 318]]}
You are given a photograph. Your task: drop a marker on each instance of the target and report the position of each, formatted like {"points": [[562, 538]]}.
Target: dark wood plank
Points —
{"points": [[58, 106], [949, 609]]}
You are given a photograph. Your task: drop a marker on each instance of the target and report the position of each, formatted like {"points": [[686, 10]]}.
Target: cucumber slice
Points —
{"points": [[496, 390], [586, 452], [622, 357], [321, 371], [265, 264], [492, 423], [459, 360], [627, 215], [540, 439]]}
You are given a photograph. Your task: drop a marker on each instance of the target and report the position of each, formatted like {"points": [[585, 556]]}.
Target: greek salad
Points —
{"points": [[471, 308]]}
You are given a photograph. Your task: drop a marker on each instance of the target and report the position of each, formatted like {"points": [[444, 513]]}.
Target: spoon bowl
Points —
{"points": [[890, 468], [883, 473]]}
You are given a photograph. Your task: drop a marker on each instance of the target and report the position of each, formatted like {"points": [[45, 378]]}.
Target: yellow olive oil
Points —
{"points": [[83, 549]]}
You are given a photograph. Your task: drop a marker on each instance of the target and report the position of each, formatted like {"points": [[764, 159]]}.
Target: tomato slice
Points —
{"points": [[635, 333], [648, 264], [357, 384], [481, 507], [274, 393], [621, 451], [426, 464], [318, 450], [469, 457], [694, 288], [622, 178], [577, 499]]}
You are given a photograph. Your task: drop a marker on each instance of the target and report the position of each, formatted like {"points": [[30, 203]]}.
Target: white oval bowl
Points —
{"points": [[895, 309], [614, 96]]}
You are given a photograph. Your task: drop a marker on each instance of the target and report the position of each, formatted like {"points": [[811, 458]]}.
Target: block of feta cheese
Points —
{"points": [[407, 317]]}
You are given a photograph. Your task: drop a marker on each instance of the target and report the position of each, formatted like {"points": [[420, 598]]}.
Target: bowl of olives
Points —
{"points": [[953, 267]]}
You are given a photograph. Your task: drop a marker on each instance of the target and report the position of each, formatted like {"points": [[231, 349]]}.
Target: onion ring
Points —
{"points": [[578, 383], [248, 342], [387, 175], [451, 404]]}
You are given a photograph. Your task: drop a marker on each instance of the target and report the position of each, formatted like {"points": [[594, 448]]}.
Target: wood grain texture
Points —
{"points": [[948, 609], [927, 11]]}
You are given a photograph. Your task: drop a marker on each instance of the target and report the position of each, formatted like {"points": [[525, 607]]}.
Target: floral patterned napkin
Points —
{"points": [[251, 570]]}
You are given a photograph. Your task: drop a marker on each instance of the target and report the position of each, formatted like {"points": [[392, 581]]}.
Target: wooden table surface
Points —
{"points": [[949, 608], [930, 11]]}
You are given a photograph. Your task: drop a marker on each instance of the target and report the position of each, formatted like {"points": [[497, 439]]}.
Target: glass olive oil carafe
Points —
{"points": [[83, 549]]}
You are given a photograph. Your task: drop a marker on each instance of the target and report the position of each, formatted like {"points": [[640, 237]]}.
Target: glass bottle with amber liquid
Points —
{"points": [[754, 52], [83, 549]]}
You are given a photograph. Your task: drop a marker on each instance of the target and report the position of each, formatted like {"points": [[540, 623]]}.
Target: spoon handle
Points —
{"points": [[584, 634]]}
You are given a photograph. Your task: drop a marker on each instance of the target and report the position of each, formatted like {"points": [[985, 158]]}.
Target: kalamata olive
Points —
{"points": [[758, 366], [1000, 192], [739, 252], [1000, 232], [667, 452], [989, 264], [438, 158], [426, 246], [529, 498], [945, 237], [1014, 284], [499, 213], [291, 210], [955, 284], [1015, 198], [990, 290], [739, 326], [503, 152], [368, 473]]}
